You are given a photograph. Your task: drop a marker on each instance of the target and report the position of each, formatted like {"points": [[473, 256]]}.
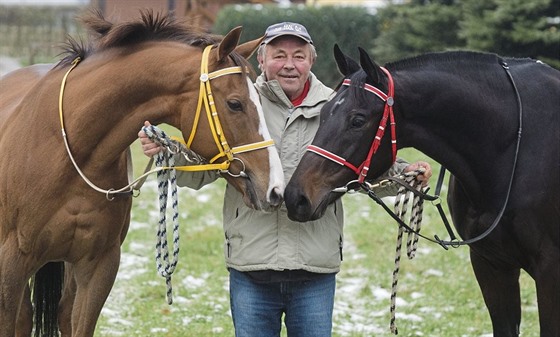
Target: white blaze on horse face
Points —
{"points": [[276, 173], [340, 101]]}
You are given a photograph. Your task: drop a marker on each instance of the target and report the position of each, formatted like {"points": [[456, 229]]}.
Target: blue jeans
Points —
{"points": [[257, 308]]}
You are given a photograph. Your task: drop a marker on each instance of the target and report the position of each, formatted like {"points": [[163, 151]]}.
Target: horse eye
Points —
{"points": [[235, 105], [357, 121]]}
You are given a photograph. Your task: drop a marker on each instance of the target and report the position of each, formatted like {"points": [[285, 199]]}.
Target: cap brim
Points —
{"points": [[270, 38]]}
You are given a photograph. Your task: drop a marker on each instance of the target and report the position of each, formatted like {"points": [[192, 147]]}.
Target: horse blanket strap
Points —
{"points": [[388, 116], [441, 212], [456, 243]]}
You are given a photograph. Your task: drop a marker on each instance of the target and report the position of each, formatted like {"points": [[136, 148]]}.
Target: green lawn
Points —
{"points": [[438, 294]]}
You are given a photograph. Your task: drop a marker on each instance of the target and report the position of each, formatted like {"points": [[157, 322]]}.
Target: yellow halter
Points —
{"points": [[206, 97]]}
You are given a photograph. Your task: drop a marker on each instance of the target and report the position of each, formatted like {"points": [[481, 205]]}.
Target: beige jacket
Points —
{"points": [[255, 240]]}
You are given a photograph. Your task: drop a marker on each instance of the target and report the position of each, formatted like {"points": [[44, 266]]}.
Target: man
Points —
{"points": [[277, 266]]}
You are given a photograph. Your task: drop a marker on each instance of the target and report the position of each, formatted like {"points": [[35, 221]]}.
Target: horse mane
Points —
{"points": [[358, 79], [150, 27], [442, 58]]}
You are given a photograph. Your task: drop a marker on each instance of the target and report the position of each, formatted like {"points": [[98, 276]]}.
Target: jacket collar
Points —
{"points": [[274, 93]]}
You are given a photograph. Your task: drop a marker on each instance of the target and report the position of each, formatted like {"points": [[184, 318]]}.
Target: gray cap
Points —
{"points": [[286, 28]]}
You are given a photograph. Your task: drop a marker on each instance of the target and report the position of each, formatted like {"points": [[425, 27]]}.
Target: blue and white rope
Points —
{"points": [[401, 205], [167, 183]]}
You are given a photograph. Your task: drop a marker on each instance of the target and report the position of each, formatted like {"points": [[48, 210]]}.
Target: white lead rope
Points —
{"points": [[167, 184], [401, 203]]}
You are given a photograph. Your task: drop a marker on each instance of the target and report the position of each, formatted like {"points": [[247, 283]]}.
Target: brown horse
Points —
{"points": [[148, 69]]}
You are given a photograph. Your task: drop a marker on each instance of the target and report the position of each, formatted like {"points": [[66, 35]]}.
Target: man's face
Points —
{"points": [[288, 60]]}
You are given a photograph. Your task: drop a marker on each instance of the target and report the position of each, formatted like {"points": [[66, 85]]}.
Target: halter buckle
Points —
{"points": [[241, 173]]}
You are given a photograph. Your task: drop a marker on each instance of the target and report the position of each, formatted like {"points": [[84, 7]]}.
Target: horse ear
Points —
{"points": [[248, 48], [371, 68], [345, 64], [229, 43]]}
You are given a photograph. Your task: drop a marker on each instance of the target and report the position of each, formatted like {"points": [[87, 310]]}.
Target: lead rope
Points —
{"points": [[167, 180], [401, 203]]}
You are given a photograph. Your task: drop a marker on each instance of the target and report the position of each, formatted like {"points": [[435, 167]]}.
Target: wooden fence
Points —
{"points": [[34, 34]]}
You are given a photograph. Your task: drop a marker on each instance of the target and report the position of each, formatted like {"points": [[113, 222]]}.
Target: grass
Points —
{"points": [[438, 294]]}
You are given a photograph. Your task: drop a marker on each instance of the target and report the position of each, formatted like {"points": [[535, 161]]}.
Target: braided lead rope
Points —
{"points": [[401, 203], [167, 179]]}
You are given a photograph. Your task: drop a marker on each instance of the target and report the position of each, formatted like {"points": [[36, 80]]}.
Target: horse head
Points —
{"points": [[254, 167], [163, 71], [340, 156]]}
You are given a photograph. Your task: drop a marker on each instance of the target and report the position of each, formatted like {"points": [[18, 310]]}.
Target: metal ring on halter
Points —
{"points": [[109, 195], [345, 189], [135, 192], [241, 174]]}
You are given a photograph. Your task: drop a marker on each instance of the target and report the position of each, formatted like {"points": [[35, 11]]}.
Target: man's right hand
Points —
{"points": [[149, 147]]}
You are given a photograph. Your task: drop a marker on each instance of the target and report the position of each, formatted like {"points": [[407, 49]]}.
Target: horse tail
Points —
{"points": [[47, 291]]}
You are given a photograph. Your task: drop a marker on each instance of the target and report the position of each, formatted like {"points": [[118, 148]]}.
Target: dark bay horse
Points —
{"points": [[154, 69], [498, 135]]}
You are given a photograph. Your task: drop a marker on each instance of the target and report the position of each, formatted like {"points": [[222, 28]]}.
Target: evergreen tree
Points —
{"points": [[408, 30], [516, 28]]}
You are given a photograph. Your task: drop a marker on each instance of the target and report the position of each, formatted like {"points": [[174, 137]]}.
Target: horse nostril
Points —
{"points": [[275, 197], [303, 203], [299, 206]]}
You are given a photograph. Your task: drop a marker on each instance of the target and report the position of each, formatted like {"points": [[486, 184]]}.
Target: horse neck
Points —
{"points": [[105, 106], [448, 117]]}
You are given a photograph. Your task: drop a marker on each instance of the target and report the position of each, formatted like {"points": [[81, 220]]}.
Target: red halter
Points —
{"points": [[388, 98]]}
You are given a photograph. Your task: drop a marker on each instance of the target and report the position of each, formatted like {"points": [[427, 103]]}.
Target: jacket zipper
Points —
{"points": [[340, 245], [228, 247]]}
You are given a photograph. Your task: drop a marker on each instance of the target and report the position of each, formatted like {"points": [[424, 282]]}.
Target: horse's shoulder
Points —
{"points": [[16, 84]]}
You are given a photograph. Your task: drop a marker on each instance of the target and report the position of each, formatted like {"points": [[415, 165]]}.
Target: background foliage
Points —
{"points": [[516, 28], [347, 26], [34, 34]]}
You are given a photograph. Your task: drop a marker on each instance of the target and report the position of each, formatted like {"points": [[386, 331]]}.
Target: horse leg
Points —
{"points": [[501, 293], [66, 303], [548, 296], [12, 286], [24, 324], [94, 280]]}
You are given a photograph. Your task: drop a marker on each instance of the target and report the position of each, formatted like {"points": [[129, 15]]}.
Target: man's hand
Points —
{"points": [[420, 165], [149, 147]]}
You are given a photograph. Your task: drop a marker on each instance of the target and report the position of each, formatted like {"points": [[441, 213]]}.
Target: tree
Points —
{"points": [[516, 28], [407, 30], [349, 27]]}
